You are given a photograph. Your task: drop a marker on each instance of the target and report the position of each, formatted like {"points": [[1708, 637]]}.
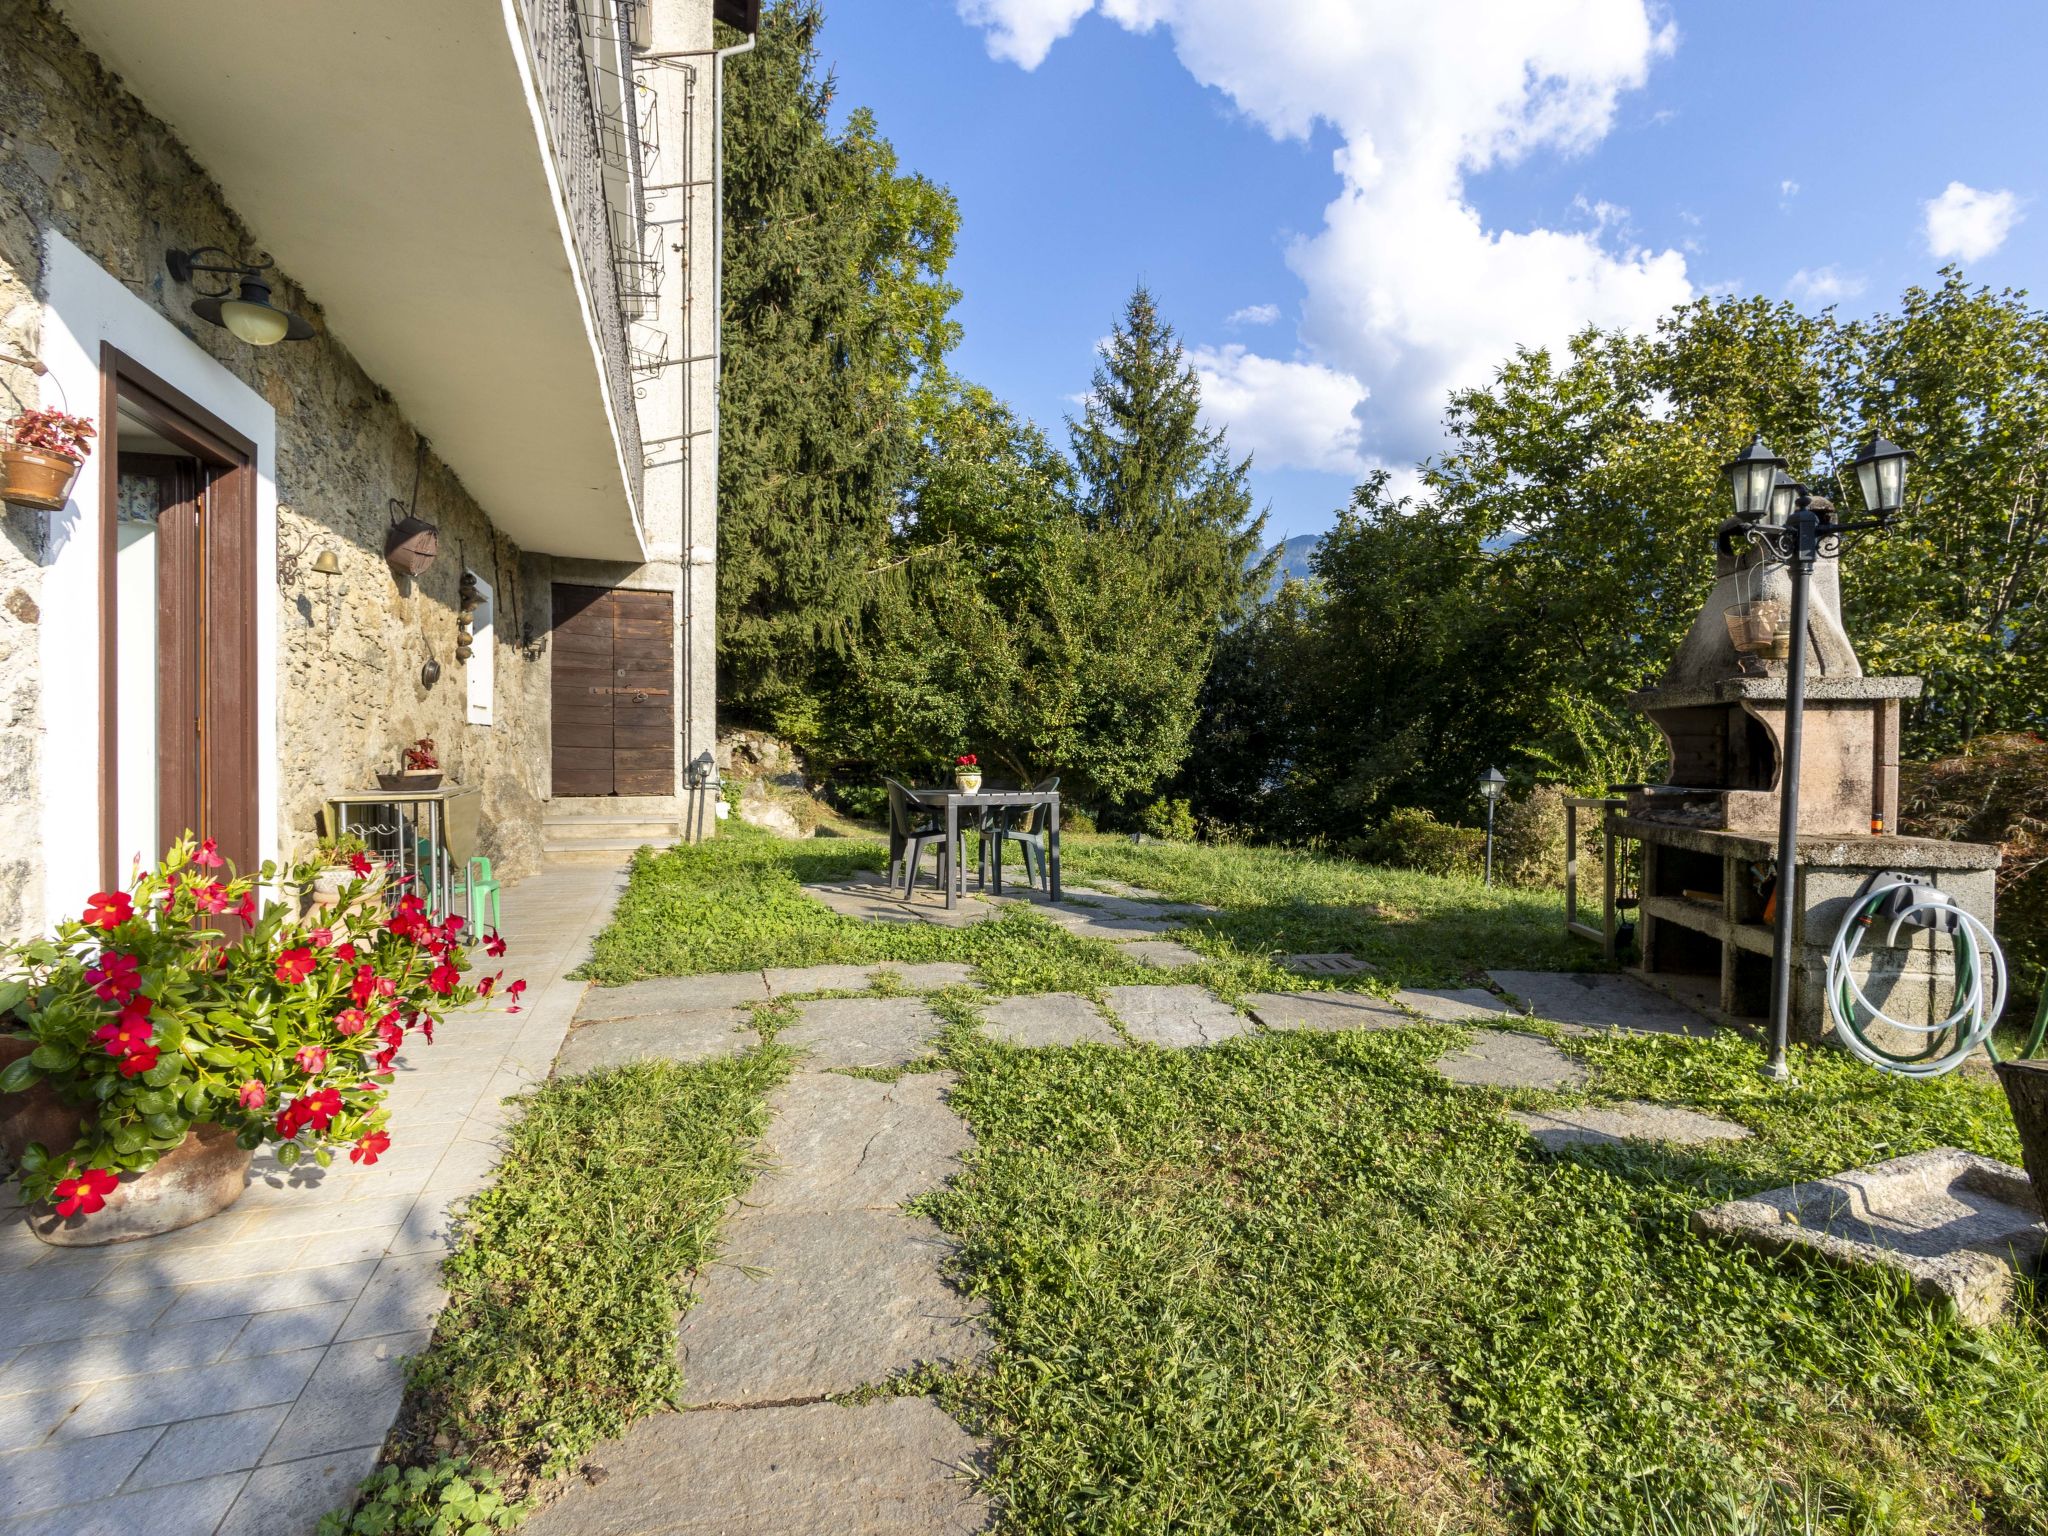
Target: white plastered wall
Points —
{"points": [[82, 307]]}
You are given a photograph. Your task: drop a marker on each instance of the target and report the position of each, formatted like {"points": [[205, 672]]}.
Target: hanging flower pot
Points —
{"points": [[40, 458]]}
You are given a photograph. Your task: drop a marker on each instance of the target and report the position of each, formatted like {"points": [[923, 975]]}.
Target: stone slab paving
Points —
{"points": [[1504, 1058], [1338, 963], [795, 980], [240, 1375], [841, 1143], [1084, 924], [1452, 1005], [672, 994], [1328, 1012], [1175, 1016], [877, 904], [862, 1031], [1160, 952], [1586, 1000], [1048, 1018], [884, 1468], [1956, 1225], [1630, 1120], [696, 1035], [931, 975]]}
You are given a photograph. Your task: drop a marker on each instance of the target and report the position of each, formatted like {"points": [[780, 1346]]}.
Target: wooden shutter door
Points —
{"points": [[613, 679]]}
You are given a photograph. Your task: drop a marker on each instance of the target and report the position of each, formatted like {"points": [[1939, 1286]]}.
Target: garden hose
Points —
{"points": [[1911, 903]]}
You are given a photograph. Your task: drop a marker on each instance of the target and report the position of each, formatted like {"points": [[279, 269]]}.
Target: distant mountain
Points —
{"points": [[1294, 558]]}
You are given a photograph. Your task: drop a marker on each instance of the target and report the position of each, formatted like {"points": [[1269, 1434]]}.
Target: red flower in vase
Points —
{"points": [[359, 864]]}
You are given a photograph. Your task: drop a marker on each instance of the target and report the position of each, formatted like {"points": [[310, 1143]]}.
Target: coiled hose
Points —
{"points": [[1948, 1041]]}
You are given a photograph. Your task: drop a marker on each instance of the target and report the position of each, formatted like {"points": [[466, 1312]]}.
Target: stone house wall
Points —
{"points": [[81, 156]]}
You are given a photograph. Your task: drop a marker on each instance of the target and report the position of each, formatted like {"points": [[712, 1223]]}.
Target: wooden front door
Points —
{"points": [[614, 692]]}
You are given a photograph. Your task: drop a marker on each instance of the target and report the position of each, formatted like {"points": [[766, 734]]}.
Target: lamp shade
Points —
{"points": [[1881, 475], [1784, 498], [252, 317], [1491, 783], [1752, 476]]}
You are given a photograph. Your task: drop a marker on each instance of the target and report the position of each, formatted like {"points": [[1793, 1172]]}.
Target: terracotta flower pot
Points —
{"points": [[199, 1178], [35, 477]]}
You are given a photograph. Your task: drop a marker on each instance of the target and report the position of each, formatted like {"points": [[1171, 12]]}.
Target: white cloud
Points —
{"points": [[1787, 190], [1409, 292], [1823, 285], [1287, 415], [1255, 314], [1964, 224]]}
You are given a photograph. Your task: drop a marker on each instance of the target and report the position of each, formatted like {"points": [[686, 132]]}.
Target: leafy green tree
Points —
{"points": [[835, 302]]}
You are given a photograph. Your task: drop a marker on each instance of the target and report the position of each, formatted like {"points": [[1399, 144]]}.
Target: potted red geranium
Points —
{"points": [[40, 458], [967, 773], [422, 768], [152, 1050]]}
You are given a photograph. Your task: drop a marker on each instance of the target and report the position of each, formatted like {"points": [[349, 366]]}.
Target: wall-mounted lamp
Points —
{"points": [[249, 314]]}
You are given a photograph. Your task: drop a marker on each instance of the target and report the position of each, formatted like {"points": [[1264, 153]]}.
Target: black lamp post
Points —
{"points": [[1790, 525], [1491, 783]]}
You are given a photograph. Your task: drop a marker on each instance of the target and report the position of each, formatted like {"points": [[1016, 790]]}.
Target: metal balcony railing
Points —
{"points": [[605, 212]]}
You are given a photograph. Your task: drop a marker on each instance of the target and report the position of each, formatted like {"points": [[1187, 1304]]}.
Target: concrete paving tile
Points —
{"points": [[1502, 1058], [808, 1304], [404, 1294], [288, 1499], [862, 1031], [26, 1418], [1176, 1017], [272, 1333], [881, 1469], [465, 1168], [178, 1509], [672, 994], [103, 1357], [227, 1442], [64, 1272], [70, 1317], [190, 1394], [841, 1143], [1327, 1012], [244, 1295], [146, 1271], [350, 1401], [1088, 925], [429, 1226], [657, 1037], [1047, 1018], [1584, 1000], [72, 1472]]}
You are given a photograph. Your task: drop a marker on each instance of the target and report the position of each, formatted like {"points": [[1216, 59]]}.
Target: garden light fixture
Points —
{"points": [[1491, 783], [1753, 476], [1807, 532], [248, 314]]}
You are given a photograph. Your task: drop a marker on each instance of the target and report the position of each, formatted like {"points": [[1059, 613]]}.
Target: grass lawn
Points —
{"points": [[1301, 1283]]}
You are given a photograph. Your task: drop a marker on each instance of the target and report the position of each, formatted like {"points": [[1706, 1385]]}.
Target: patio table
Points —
{"points": [[396, 821], [953, 801]]}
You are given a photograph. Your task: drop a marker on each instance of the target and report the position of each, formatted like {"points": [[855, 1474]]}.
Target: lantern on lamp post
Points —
{"points": [[1491, 783], [1789, 525]]}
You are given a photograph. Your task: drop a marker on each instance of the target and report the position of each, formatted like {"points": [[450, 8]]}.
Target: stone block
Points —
{"points": [[104, 1357], [194, 1393], [862, 1031], [276, 1333], [879, 1469], [72, 1472], [673, 994], [806, 1305], [1176, 1017], [1452, 1005], [840, 1143], [1048, 1018], [694, 1036], [403, 1296], [1508, 1059], [178, 1509], [1614, 1124], [1588, 1000], [1957, 1226], [227, 1442], [1327, 1012], [292, 1496]]}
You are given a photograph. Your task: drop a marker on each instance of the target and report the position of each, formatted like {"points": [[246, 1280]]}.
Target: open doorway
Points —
{"points": [[178, 596]]}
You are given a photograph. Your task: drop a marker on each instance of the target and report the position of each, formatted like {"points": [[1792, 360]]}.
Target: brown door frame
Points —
{"points": [[226, 627]]}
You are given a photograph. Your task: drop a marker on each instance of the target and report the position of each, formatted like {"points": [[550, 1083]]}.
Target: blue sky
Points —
{"points": [[1348, 206]]}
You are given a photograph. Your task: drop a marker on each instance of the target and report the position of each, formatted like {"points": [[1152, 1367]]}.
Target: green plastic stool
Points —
{"points": [[483, 887]]}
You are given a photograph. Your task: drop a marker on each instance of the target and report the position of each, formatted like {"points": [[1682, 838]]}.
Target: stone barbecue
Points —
{"points": [[1709, 836]]}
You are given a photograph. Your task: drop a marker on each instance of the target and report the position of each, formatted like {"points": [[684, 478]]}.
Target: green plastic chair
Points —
{"points": [[482, 887]]}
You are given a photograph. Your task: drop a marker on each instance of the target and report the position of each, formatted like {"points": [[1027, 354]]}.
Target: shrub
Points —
{"points": [[1414, 839], [450, 1498], [861, 802], [1528, 837], [1074, 819], [1171, 821]]}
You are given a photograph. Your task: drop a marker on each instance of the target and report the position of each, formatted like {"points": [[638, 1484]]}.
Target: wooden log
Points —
{"points": [[2026, 1089]]}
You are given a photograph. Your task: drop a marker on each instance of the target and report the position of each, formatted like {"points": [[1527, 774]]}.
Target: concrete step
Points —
{"points": [[583, 828], [600, 849], [576, 807]]}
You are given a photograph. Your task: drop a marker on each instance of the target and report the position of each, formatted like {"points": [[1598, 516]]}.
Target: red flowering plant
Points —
{"points": [[420, 758], [967, 760], [151, 1017], [52, 432]]}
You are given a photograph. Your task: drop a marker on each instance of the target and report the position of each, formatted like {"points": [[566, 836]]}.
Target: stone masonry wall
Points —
{"points": [[80, 155]]}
